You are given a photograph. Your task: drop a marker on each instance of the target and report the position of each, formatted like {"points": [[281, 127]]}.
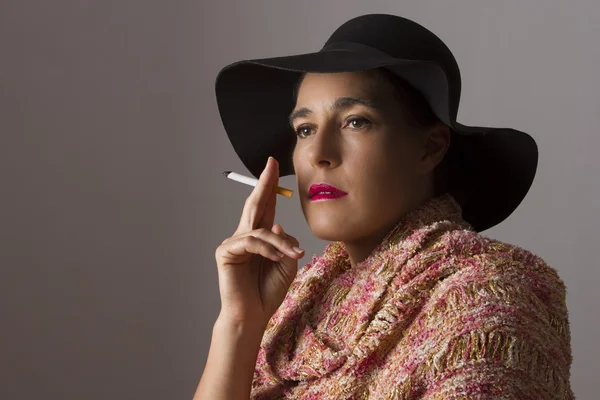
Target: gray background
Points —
{"points": [[112, 200]]}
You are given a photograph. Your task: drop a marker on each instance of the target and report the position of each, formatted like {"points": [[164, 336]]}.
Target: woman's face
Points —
{"points": [[352, 134]]}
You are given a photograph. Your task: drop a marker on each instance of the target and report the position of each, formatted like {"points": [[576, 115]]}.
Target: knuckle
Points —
{"points": [[248, 240], [268, 248], [250, 201], [284, 242], [219, 251], [251, 218], [262, 231], [293, 240]]}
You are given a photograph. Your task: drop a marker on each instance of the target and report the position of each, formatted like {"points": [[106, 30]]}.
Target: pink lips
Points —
{"points": [[323, 191]]}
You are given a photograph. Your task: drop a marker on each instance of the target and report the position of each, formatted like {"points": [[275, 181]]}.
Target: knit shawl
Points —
{"points": [[436, 311]]}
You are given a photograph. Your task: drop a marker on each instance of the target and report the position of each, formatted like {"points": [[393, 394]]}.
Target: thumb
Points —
{"points": [[278, 230]]}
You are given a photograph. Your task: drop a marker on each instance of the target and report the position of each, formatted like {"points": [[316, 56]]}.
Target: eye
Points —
{"points": [[358, 122], [303, 130], [355, 122]]}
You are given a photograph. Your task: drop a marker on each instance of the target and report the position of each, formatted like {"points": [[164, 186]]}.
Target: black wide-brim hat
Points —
{"points": [[255, 97]]}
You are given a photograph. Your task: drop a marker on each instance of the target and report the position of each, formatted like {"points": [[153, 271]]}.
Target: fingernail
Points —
{"points": [[297, 249], [266, 166]]}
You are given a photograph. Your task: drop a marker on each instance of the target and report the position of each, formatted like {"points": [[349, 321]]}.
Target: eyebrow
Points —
{"points": [[339, 104]]}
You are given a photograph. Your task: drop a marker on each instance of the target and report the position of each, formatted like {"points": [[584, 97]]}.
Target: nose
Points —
{"points": [[323, 149]]}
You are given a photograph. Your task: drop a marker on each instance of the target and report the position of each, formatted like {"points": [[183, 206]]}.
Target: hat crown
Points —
{"points": [[400, 38]]}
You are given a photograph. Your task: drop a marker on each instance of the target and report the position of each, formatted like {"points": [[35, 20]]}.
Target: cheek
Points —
{"points": [[389, 176], [403, 155], [395, 159]]}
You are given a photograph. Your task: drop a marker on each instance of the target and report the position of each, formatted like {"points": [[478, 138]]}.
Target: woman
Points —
{"points": [[409, 301]]}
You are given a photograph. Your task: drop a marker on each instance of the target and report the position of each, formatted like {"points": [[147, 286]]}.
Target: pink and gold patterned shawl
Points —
{"points": [[436, 311]]}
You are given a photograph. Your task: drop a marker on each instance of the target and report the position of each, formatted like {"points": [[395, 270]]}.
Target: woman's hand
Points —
{"points": [[258, 263]]}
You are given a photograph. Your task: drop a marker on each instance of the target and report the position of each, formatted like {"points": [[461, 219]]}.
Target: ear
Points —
{"points": [[436, 141]]}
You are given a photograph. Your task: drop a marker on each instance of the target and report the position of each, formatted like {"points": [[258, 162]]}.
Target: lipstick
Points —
{"points": [[323, 191], [248, 180]]}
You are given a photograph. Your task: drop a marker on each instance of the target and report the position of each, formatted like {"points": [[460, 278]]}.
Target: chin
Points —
{"points": [[329, 229], [330, 222]]}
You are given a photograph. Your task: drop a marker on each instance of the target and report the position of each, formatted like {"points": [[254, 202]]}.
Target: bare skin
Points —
{"points": [[373, 154], [256, 266]]}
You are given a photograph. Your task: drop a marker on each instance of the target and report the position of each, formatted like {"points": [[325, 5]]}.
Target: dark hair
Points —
{"points": [[419, 113]]}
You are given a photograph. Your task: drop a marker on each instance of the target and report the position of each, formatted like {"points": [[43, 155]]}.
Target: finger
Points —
{"points": [[283, 234], [284, 245], [255, 204], [249, 244], [278, 230], [269, 212], [293, 240]]}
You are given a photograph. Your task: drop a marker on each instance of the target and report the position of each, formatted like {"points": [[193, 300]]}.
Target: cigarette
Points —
{"points": [[248, 180]]}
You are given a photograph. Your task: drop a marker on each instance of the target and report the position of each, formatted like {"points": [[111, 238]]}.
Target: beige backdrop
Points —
{"points": [[112, 200]]}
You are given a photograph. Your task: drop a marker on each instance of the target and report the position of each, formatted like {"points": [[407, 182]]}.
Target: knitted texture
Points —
{"points": [[436, 311]]}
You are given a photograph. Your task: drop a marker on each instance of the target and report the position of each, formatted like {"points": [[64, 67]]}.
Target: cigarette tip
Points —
{"points": [[225, 173]]}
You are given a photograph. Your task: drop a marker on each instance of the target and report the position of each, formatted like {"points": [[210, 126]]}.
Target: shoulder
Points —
{"points": [[498, 308], [476, 265], [478, 272]]}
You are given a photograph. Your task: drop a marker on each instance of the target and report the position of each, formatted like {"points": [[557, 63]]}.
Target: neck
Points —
{"points": [[359, 250]]}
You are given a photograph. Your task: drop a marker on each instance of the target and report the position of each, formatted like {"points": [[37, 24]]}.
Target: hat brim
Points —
{"points": [[255, 98]]}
